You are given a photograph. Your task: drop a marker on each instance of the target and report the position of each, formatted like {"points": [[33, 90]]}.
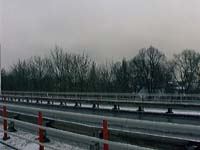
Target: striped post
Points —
{"points": [[105, 133], [5, 124], [41, 136]]}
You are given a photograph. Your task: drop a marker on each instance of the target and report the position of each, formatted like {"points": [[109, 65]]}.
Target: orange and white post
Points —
{"points": [[105, 133], [41, 136], [5, 124]]}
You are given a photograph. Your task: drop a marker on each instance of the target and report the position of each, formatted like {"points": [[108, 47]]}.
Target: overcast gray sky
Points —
{"points": [[105, 29]]}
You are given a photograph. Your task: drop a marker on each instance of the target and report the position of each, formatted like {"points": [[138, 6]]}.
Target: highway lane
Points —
{"points": [[168, 105], [151, 115]]}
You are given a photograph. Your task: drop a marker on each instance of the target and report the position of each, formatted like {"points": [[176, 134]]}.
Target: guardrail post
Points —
{"points": [[94, 146], [76, 104], [169, 111], [5, 124], [93, 106], [41, 136], [105, 133], [115, 107], [140, 109], [11, 127]]}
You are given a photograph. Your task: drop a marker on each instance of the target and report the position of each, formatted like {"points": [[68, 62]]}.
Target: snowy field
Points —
{"points": [[23, 144]]}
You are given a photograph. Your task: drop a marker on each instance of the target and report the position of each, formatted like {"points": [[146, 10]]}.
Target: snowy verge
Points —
{"points": [[23, 144]]}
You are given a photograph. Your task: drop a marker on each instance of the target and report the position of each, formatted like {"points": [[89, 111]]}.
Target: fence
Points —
{"points": [[87, 139], [111, 96], [162, 127]]}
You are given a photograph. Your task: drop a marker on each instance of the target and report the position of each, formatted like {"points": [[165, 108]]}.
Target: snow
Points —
{"points": [[153, 110], [23, 144], [31, 146]]}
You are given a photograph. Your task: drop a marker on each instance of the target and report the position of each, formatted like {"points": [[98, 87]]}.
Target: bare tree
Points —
{"points": [[64, 71], [186, 69], [147, 69]]}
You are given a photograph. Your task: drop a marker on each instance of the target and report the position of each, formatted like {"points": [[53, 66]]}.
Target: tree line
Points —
{"points": [[149, 71]]}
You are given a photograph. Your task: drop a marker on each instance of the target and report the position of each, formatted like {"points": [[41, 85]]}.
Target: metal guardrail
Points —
{"points": [[96, 93], [170, 128], [116, 96], [78, 137], [109, 99], [61, 134], [62, 101]]}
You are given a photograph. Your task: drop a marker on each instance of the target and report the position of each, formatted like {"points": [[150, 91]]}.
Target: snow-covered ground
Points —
{"points": [[154, 110], [23, 144]]}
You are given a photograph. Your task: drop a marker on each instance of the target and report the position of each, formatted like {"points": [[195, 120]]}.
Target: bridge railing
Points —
{"points": [[112, 96]]}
